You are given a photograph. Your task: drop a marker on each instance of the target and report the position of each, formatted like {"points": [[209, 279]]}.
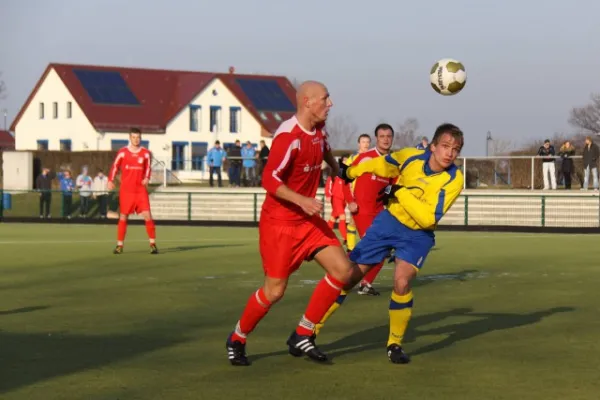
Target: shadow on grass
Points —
{"points": [[197, 247], [23, 310], [376, 337], [28, 358]]}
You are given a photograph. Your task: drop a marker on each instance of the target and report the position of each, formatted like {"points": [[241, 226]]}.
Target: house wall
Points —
{"points": [[32, 127]]}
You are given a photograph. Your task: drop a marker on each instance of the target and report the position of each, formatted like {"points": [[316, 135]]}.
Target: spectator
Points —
{"points": [[590, 163], [100, 188], [215, 158], [548, 163], [43, 183], [84, 185], [66, 187], [424, 143], [263, 155], [249, 163], [566, 152], [235, 164]]}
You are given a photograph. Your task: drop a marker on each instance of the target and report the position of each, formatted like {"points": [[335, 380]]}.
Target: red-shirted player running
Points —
{"points": [[135, 164], [339, 194], [366, 189], [291, 229]]}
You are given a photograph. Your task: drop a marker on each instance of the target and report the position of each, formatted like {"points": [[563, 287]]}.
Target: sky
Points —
{"points": [[528, 62]]}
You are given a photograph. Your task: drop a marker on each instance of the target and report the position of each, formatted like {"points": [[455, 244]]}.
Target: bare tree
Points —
{"points": [[587, 117], [407, 134], [342, 132], [2, 88], [500, 147]]}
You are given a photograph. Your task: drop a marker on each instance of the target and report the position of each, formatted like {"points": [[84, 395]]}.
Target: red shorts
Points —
{"points": [[130, 203], [283, 248], [362, 222], [338, 207]]}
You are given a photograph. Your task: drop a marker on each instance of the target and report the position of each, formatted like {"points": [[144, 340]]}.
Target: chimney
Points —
{"points": [[231, 70]]}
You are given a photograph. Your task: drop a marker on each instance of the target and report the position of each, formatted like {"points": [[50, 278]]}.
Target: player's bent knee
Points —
{"points": [[274, 289], [404, 273]]}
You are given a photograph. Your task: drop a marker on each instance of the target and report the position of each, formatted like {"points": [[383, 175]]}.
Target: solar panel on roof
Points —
{"points": [[106, 87], [266, 95]]}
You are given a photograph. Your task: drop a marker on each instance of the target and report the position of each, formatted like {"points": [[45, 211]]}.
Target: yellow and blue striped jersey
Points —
{"points": [[425, 197]]}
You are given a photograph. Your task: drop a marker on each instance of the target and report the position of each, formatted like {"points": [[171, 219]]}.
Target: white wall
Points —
{"points": [[31, 128], [17, 170], [178, 130]]}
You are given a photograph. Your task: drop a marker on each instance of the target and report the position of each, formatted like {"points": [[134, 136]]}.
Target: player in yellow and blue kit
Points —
{"points": [[427, 184]]}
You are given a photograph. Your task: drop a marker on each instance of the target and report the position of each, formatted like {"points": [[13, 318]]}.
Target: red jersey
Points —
{"points": [[134, 168], [339, 189], [367, 186], [295, 159]]}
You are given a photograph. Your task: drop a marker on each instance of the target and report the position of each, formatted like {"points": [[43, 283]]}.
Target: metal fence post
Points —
{"points": [[543, 211], [255, 207], [466, 210], [532, 173], [189, 204]]}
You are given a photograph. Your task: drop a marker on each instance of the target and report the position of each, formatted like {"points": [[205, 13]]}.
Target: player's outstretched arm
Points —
{"points": [[387, 166], [427, 212], [330, 160]]}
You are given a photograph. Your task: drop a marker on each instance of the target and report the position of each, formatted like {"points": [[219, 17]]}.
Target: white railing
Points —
{"points": [[499, 169], [480, 172]]}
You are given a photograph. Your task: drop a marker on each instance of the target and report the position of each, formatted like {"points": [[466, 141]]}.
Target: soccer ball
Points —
{"points": [[448, 77]]}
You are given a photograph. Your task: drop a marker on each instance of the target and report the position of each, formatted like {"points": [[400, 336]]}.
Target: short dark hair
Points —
{"points": [[384, 127], [135, 130], [450, 129], [363, 135]]}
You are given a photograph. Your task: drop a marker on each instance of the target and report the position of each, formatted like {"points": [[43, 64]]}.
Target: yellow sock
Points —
{"points": [[331, 310], [351, 237], [400, 313]]}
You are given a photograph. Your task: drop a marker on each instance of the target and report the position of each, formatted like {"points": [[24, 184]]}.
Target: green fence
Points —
{"points": [[555, 209]]}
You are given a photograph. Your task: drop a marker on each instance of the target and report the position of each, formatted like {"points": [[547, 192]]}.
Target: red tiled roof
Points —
{"points": [[161, 93], [6, 139]]}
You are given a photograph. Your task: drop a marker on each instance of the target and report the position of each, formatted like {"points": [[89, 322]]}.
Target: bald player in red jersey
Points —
{"points": [[135, 164], [366, 189], [291, 229]]}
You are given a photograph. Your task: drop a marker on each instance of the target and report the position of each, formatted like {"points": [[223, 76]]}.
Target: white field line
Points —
{"points": [[158, 241]]}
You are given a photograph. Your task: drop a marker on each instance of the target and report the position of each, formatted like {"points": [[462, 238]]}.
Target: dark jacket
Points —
{"points": [[547, 153], [567, 161], [44, 182], [234, 155], [590, 156]]}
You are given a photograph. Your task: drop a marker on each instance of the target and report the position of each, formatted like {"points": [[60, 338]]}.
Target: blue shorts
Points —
{"points": [[387, 233]]}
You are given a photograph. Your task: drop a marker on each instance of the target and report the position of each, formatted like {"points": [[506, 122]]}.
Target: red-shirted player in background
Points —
{"points": [[339, 193], [135, 164], [366, 189], [291, 229]]}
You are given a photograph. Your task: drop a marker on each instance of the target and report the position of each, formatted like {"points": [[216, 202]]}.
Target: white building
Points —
{"points": [[181, 113]]}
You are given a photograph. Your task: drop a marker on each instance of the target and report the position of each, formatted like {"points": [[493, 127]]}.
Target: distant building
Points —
{"points": [[7, 141], [181, 113]]}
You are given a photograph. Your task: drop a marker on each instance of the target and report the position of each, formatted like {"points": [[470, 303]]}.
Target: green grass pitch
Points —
{"points": [[497, 316]]}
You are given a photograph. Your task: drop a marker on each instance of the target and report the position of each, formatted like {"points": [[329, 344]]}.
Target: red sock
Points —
{"points": [[257, 307], [331, 223], [151, 230], [121, 231], [372, 274], [343, 230], [325, 294]]}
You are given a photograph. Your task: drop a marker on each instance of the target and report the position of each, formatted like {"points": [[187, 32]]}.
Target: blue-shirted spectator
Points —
{"points": [[249, 163], [424, 143], [66, 187], [215, 159]]}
